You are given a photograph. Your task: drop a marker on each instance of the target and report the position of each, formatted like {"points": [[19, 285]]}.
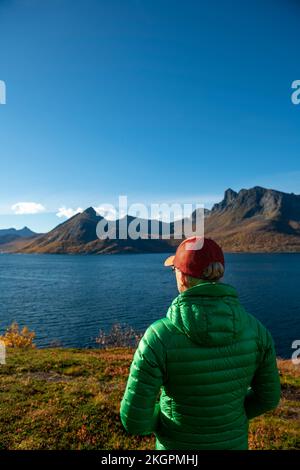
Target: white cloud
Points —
{"points": [[68, 212], [107, 211], [28, 208]]}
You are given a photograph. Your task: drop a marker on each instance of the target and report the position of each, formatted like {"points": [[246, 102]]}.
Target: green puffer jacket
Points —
{"points": [[215, 366]]}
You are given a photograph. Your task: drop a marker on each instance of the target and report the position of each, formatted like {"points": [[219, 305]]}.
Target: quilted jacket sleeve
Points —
{"points": [[139, 409], [264, 394]]}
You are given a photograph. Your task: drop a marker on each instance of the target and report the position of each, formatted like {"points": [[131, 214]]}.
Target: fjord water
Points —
{"points": [[67, 299]]}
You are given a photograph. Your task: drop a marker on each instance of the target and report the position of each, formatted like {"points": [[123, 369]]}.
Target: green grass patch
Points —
{"points": [[69, 399]]}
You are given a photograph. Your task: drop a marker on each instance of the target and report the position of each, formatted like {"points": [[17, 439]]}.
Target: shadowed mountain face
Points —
{"points": [[251, 220], [68, 237], [79, 229], [256, 219], [11, 234], [23, 232]]}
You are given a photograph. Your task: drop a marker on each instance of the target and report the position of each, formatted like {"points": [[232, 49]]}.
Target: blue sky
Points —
{"points": [[159, 100]]}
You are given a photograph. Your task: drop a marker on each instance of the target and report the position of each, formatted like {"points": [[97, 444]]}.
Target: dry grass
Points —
{"points": [[69, 399], [280, 429]]}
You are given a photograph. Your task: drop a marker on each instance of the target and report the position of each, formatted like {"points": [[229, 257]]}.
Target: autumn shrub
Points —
{"points": [[119, 336], [14, 337]]}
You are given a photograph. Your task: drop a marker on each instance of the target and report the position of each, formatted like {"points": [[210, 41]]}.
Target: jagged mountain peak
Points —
{"points": [[257, 205], [230, 195], [90, 211]]}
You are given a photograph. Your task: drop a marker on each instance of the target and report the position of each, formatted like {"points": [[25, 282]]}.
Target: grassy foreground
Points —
{"points": [[69, 399]]}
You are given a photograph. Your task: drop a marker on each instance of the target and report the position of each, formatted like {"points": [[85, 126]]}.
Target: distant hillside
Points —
{"points": [[11, 234], [251, 220]]}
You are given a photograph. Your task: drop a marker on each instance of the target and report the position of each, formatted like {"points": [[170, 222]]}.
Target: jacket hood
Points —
{"points": [[209, 314]]}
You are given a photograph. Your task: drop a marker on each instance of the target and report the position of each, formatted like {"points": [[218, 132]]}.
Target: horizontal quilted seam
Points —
{"points": [[214, 372]]}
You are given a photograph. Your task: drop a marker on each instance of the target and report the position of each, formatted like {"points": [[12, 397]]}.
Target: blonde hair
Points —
{"points": [[213, 272]]}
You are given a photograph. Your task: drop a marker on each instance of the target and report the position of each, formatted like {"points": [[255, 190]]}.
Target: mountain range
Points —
{"points": [[8, 235], [251, 220]]}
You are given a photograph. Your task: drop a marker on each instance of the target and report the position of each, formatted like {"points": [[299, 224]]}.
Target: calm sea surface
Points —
{"points": [[67, 299]]}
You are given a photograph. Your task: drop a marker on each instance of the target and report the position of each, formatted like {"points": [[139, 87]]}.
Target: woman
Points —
{"points": [[214, 363]]}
